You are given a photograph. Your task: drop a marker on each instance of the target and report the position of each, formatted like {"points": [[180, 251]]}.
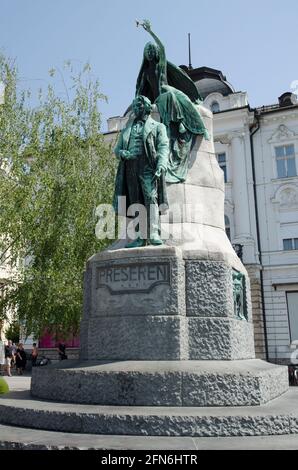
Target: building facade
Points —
{"points": [[257, 150]]}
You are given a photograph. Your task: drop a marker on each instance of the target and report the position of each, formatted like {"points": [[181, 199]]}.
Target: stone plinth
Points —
{"points": [[162, 383], [152, 304], [162, 323]]}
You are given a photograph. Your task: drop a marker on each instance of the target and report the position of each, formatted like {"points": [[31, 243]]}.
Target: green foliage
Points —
{"points": [[12, 332], [55, 170], [4, 388]]}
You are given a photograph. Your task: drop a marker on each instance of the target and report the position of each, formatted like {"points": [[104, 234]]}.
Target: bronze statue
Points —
{"points": [[143, 150], [240, 309], [176, 97]]}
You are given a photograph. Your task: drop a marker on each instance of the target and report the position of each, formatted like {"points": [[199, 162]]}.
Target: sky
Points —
{"points": [[254, 43]]}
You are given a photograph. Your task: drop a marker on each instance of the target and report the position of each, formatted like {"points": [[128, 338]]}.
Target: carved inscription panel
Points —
{"points": [[133, 278]]}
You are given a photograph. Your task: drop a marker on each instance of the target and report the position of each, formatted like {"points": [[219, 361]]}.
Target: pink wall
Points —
{"points": [[48, 341]]}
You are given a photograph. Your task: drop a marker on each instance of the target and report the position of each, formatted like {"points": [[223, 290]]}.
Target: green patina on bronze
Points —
{"points": [[143, 150], [150, 153], [240, 306], [176, 97]]}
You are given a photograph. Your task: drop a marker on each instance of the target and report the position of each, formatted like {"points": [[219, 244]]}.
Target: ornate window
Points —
{"points": [[222, 161], [215, 107], [285, 161]]}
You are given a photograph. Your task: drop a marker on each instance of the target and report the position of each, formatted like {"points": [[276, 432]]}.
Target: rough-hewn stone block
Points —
{"points": [[209, 289], [137, 337], [220, 338]]}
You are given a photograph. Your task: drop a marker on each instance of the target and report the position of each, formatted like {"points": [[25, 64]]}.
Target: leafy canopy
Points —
{"points": [[55, 170]]}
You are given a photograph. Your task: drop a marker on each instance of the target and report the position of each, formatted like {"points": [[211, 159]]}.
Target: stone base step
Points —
{"points": [[161, 383], [16, 438], [280, 416]]}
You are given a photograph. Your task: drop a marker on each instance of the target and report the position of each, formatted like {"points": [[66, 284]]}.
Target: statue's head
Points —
{"points": [[141, 105], [151, 52]]}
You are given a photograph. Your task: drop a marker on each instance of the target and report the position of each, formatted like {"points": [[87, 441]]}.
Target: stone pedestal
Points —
{"points": [[152, 304], [160, 329]]}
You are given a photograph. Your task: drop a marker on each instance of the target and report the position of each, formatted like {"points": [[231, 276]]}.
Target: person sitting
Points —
{"points": [[34, 354], [62, 351]]}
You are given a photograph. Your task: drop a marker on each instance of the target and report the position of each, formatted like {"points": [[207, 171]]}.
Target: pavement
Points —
{"points": [[12, 437]]}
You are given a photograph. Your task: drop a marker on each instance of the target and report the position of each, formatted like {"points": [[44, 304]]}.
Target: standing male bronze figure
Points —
{"points": [[143, 151]]}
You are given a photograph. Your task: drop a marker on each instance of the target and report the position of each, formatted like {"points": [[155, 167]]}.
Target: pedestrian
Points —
{"points": [[292, 378], [2, 356], [34, 354], [295, 375], [62, 351], [9, 356], [14, 352], [21, 359]]}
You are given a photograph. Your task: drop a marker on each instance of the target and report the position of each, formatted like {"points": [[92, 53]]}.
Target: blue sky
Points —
{"points": [[253, 42]]}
